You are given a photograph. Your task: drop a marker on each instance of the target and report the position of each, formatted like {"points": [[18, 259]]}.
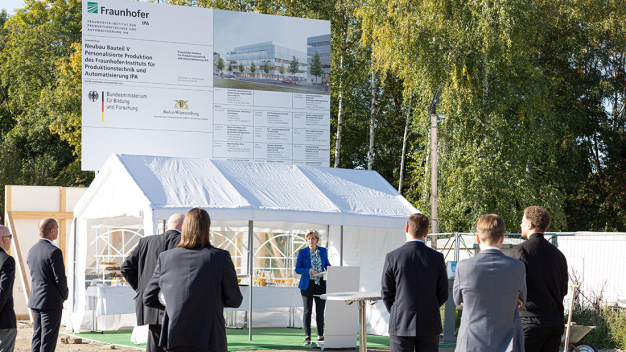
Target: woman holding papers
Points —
{"points": [[312, 261], [197, 281]]}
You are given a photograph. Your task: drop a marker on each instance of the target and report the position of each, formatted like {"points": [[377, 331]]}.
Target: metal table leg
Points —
{"points": [[94, 321], [362, 327]]}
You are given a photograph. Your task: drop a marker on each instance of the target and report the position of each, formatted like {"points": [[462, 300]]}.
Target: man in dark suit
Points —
{"points": [[414, 286], [49, 287], [138, 269], [8, 324], [490, 287], [546, 279]]}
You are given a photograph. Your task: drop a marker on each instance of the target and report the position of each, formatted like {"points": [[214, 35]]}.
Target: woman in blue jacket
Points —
{"points": [[312, 260]]}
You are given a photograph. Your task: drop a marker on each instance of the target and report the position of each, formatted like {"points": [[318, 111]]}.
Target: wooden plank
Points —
{"points": [[7, 207], [7, 199], [38, 215], [62, 222], [20, 261]]}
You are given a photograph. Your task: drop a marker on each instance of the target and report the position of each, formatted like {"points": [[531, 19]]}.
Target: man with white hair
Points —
{"points": [[138, 269], [8, 323]]}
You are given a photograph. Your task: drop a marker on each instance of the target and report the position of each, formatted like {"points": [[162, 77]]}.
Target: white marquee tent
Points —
{"points": [[362, 214]]}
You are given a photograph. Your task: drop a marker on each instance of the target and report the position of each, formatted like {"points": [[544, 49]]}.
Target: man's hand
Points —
{"points": [[519, 303], [314, 272]]}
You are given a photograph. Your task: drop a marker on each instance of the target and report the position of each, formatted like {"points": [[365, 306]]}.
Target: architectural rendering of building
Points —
{"points": [[266, 53], [321, 45]]}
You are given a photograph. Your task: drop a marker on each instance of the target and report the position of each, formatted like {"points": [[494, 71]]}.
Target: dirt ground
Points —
{"points": [[25, 334]]}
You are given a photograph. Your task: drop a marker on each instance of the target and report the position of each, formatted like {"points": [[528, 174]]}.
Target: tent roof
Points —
{"points": [[232, 190]]}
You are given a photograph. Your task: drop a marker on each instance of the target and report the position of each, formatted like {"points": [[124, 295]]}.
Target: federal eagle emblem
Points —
{"points": [[181, 104], [93, 95]]}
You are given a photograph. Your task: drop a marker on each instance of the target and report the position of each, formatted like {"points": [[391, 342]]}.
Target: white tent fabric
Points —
{"points": [[152, 188]]}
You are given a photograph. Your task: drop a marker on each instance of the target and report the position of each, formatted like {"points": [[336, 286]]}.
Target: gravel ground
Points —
{"points": [[25, 334]]}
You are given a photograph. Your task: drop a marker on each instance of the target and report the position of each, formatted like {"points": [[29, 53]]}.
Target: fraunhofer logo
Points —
{"points": [[92, 7]]}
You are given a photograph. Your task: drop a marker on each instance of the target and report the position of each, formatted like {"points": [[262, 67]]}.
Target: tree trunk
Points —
{"points": [[404, 140], [339, 113], [370, 154]]}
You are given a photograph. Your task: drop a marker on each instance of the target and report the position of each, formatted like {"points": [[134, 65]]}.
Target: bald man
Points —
{"points": [[8, 325], [138, 269], [49, 287]]}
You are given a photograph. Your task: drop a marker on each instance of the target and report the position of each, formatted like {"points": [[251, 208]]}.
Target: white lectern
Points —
{"points": [[341, 320]]}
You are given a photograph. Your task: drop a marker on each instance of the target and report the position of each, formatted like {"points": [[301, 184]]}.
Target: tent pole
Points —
{"points": [[341, 245], [74, 278], [251, 273]]}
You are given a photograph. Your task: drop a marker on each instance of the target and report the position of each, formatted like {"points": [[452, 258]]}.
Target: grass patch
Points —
{"points": [[262, 339], [237, 84]]}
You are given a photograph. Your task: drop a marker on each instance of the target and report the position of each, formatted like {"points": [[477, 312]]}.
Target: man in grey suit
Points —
{"points": [[490, 287], [8, 323], [49, 287], [138, 269]]}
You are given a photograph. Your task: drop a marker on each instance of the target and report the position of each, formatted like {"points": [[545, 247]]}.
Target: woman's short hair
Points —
{"points": [[312, 232], [196, 231]]}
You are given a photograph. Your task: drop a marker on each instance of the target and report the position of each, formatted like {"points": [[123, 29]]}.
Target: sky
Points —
{"points": [[233, 29], [11, 5]]}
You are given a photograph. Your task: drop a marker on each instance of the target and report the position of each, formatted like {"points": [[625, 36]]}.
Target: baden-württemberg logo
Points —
{"points": [[181, 104], [92, 7]]}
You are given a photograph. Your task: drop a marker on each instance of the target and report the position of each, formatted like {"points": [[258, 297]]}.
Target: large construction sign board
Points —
{"points": [[191, 82]]}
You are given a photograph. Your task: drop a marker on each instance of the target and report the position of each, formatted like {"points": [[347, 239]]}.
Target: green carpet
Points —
{"points": [[262, 339]]}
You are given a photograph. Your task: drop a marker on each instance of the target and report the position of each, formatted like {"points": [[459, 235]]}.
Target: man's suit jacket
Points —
{"points": [[303, 265], [546, 280], [414, 286], [489, 285], [7, 277], [139, 267], [197, 284], [47, 272]]}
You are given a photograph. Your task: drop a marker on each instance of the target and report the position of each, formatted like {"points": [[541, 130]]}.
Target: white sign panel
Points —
{"points": [[191, 82]]}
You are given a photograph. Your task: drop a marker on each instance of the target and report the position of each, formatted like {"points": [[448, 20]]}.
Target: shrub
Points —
{"points": [[610, 323]]}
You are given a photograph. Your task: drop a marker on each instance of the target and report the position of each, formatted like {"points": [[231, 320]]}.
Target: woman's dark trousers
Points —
{"points": [[320, 304]]}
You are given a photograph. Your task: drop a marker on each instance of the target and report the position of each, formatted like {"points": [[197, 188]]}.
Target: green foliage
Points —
{"points": [[524, 100], [610, 323], [230, 68], [221, 64], [40, 71], [242, 68], [315, 67], [266, 68], [252, 67], [282, 69], [294, 66]]}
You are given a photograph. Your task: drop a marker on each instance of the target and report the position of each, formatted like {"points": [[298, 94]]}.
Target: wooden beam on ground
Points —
{"points": [[38, 215], [20, 261]]}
